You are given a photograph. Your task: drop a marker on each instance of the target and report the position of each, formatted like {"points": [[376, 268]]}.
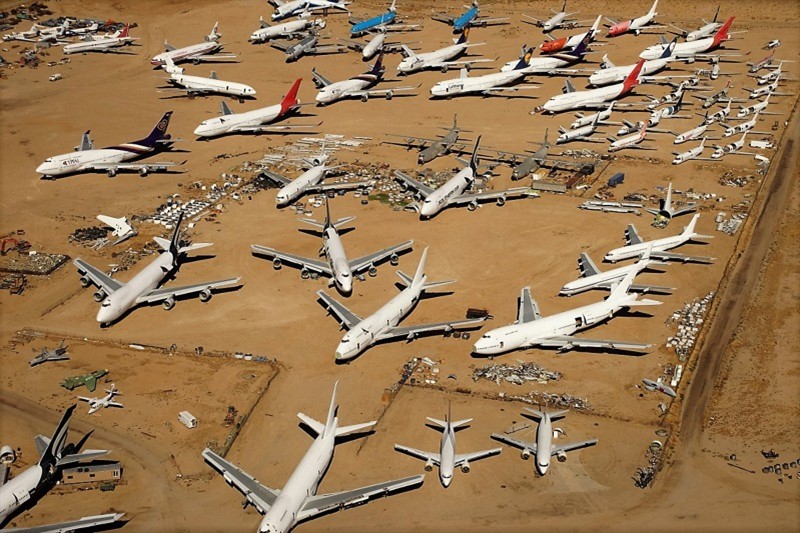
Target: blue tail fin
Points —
{"points": [[159, 132], [525, 59]]}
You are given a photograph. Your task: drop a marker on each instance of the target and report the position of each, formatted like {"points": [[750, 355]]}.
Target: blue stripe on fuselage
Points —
{"points": [[366, 25], [463, 21]]}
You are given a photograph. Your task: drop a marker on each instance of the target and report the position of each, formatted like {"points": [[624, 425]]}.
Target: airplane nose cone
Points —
{"points": [[40, 169], [446, 481], [105, 315], [200, 131]]}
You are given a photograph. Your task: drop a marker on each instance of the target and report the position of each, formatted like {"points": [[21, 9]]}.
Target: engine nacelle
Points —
{"points": [[143, 171], [111, 172], [364, 97], [501, 202], [276, 264], [465, 467], [525, 454], [393, 259], [372, 271], [169, 303], [561, 456], [99, 296], [389, 95], [205, 295], [689, 60], [305, 274], [428, 466], [472, 206], [85, 282]]}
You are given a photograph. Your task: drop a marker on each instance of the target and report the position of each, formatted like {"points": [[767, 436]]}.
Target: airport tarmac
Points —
{"points": [[491, 252]]}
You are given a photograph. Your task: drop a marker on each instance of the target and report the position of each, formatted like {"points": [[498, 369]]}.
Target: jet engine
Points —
{"points": [[465, 467], [501, 202], [389, 95], [205, 295], [372, 271], [472, 206], [85, 282], [276, 264], [169, 303], [561, 456], [393, 259], [99, 296], [428, 465], [364, 97], [305, 274], [143, 171], [525, 454]]}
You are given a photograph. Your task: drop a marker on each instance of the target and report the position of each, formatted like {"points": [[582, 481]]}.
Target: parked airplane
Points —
{"points": [[718, 116], [47, 355], [356, 87], [54, 453], [772, 44], [697, 48], [718, 96], [469, 18], [753, 67], [543, 449], [198, 85], [593, 278], [487, 85], [257, 120], [560, 19], [447, 459], [666, 211], [287, 30], [336, 264], [86, 380], [121, 227], [692, 153], [295, 8], [633, 25], [743, 127], [610, 73], [553, 63], [112, 159], [95, 404], [568, 43], [582, 133], [572, 99], [382, 325], [298, 501], [530, 161], [205, 51], [376, 44], [378, 22], [706, 30], [118, 297], [307, 46], [759, 107], [101, 44], [631, 141], [555, 331], [441, 59], [734, 148], [658, 386], [585, 120], [771, 76], [635, 246], [453, 191], [430, 149]]}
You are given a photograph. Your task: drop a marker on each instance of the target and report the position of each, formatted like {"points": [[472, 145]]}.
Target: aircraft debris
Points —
{"points": [[689, 319], [516, 374]]}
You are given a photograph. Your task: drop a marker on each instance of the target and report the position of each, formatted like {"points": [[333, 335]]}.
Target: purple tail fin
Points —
{"points": [[159, 132]]}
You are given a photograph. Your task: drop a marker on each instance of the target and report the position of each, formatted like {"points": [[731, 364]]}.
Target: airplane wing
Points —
{"points": [[73, 525], [281, 45], [441, 17], [412, 331], [632, 236], [457, 64], [567, 342], [516, 443], [333, 186], [655, 289], [83, 456], [328, 49], [361, 263], [103, 281], [573, 446], [435, 458], [260, 496], [380, 92], [319, 79], [474, 456], [164, 293], [528, 309], [148, 167], [411, 141], [489, 195], [85, 399], [114, 404], [304, 262], [325, 503], [423, 189], [483, 22], [277, 178], [667, 256], [276, 128], [342, 313], [212, 57]]}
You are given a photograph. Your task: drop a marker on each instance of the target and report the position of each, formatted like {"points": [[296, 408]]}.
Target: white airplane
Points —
{"points": [[631, 141], [759, 107], [691, 49], [692, 153], [692, 134], [377, 43], [770, 76], [593, 278], [544, 449], [666, 211], [706, 30], [568, 43], [447, 459], [383, 324], [54, 454], [113, 158], [288, 30], [610, 73], [743, 127], [308, 45], [122, 228], [572, 99], [582, 133], [355, 87], [555, 331], [453, 191], [205, 51], [635, 246], [658, 386], [441, 58], [755, 66], [297, 7], [101, 44], [118, 297], [553, 63], [198, 85], [257, 120], [719, 115], [95, 404], [734, 148], [633, 25], [336, 264], [585, 120], [560, 19], [487, 85], [298, 501], [766, 90]]}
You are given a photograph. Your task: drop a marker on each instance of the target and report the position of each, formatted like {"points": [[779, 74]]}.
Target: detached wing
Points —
{"points": [[474, 456], [435, 458], [102, 280], [566, 342], [356, 265], [573, 446], [412, 331], [73, 525], [258, 495], [418, 185], [304, 262], [158, 295], [335, 501], [347, 318]]}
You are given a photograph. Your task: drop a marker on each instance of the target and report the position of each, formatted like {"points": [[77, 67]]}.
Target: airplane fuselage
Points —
{"points": [[465, 19], [634, 25], [342, 89], [230, 123], [201, 84], [578, 99], [439, 198], [337, 259], [19, 490], [369, 24], [544, 444], [694, 133], [577, 133], [447, 455], [690, 154], [116, 304], [618, 74], [704, 31], [755, 108], [589, 282], [686, 49], [421, 61], [279, 30], [636, 250], [86, 159], [477, 84], [625, 142], [97, 44], [554, 21], [298, 186], [187, 53]]}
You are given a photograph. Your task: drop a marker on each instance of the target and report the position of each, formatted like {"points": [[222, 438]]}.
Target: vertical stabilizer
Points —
{"points": [[419, 275], [331, 421], [290, 101], [53, 451]]}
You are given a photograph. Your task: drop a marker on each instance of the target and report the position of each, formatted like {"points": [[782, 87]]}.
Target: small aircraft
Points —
{"points": [[430, 149], [759, 107], [383, 324], [766, 90], [734, 148], [566, 44], [205, 51], [88, 380], [486, 85], [635, 246], [582, 133], [632, 141], [706, 30], [286, 30], [470, 18], [101, 44], [635, 26], [356, 87], [772, 44], [95, 404], [198, 85], [440, 59], [743, 127], [121, 227], [307, 46], [692, 153], [294, 8], [718, 116], [658, 386], [585, 120], [718, 96], [771, 76], [113, 158], [145, 287], [447, 459], [336, 265], [47, 355], [593, 278], [755, 66], [560, 19], [544, 449]]}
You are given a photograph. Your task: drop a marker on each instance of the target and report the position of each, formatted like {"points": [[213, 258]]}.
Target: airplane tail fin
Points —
{"points": [[52, 453], [473, 160], [716, 15], [633, 78], [669, 49], [462, 39], [331, 420], [290, 100], [419, 275], [722, 34], [583, 46], [554, 415], [124, 32], [689, 230], [653, 9], [158, 134], [668, 199], [524, 60], [377, 68]]}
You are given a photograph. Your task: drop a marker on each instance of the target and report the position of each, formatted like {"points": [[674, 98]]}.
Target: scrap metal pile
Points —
{"points": [[293, 155], [645, 474], [689, 320], [564, 401], [93, 237], [516, 374]]}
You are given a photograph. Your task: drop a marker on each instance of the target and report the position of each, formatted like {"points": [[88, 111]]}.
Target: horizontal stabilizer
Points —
{"points": [[459, 423], [318, 427], [436, 421], [192, 247], [355, 428], [555, 415]]}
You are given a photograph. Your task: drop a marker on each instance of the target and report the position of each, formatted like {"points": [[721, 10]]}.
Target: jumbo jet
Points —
{"points": [[666, 211], [692, 49], [256, 121], [308, 45], [553, 63], [112, 159], [447, 459], [95, 404], [198, 85], [692, 153], [382, 325], [707, 29], [635, 246], [145, 287], [487, 85], [544, 449], [441, 59], [453, 191], [205, 51], [295, 8], [556, 331], [26, 487], [336, 265], [568, 43], [298, 501], [560, 19], [356, 87], [593, 278], [101, 44], [573, 99], [634, 26], [611, 73], [470, 18], [287, 30]]}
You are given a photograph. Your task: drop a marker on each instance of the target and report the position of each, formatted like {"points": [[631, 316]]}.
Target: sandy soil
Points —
{"points": [[492, 253]]}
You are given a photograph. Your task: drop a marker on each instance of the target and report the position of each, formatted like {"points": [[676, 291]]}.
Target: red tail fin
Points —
{"points": [[633, 78], [290, 100], [124, 32], [722, 34]]}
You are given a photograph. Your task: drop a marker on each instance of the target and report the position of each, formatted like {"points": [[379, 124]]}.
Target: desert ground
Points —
{"points": [[740, 393]]}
